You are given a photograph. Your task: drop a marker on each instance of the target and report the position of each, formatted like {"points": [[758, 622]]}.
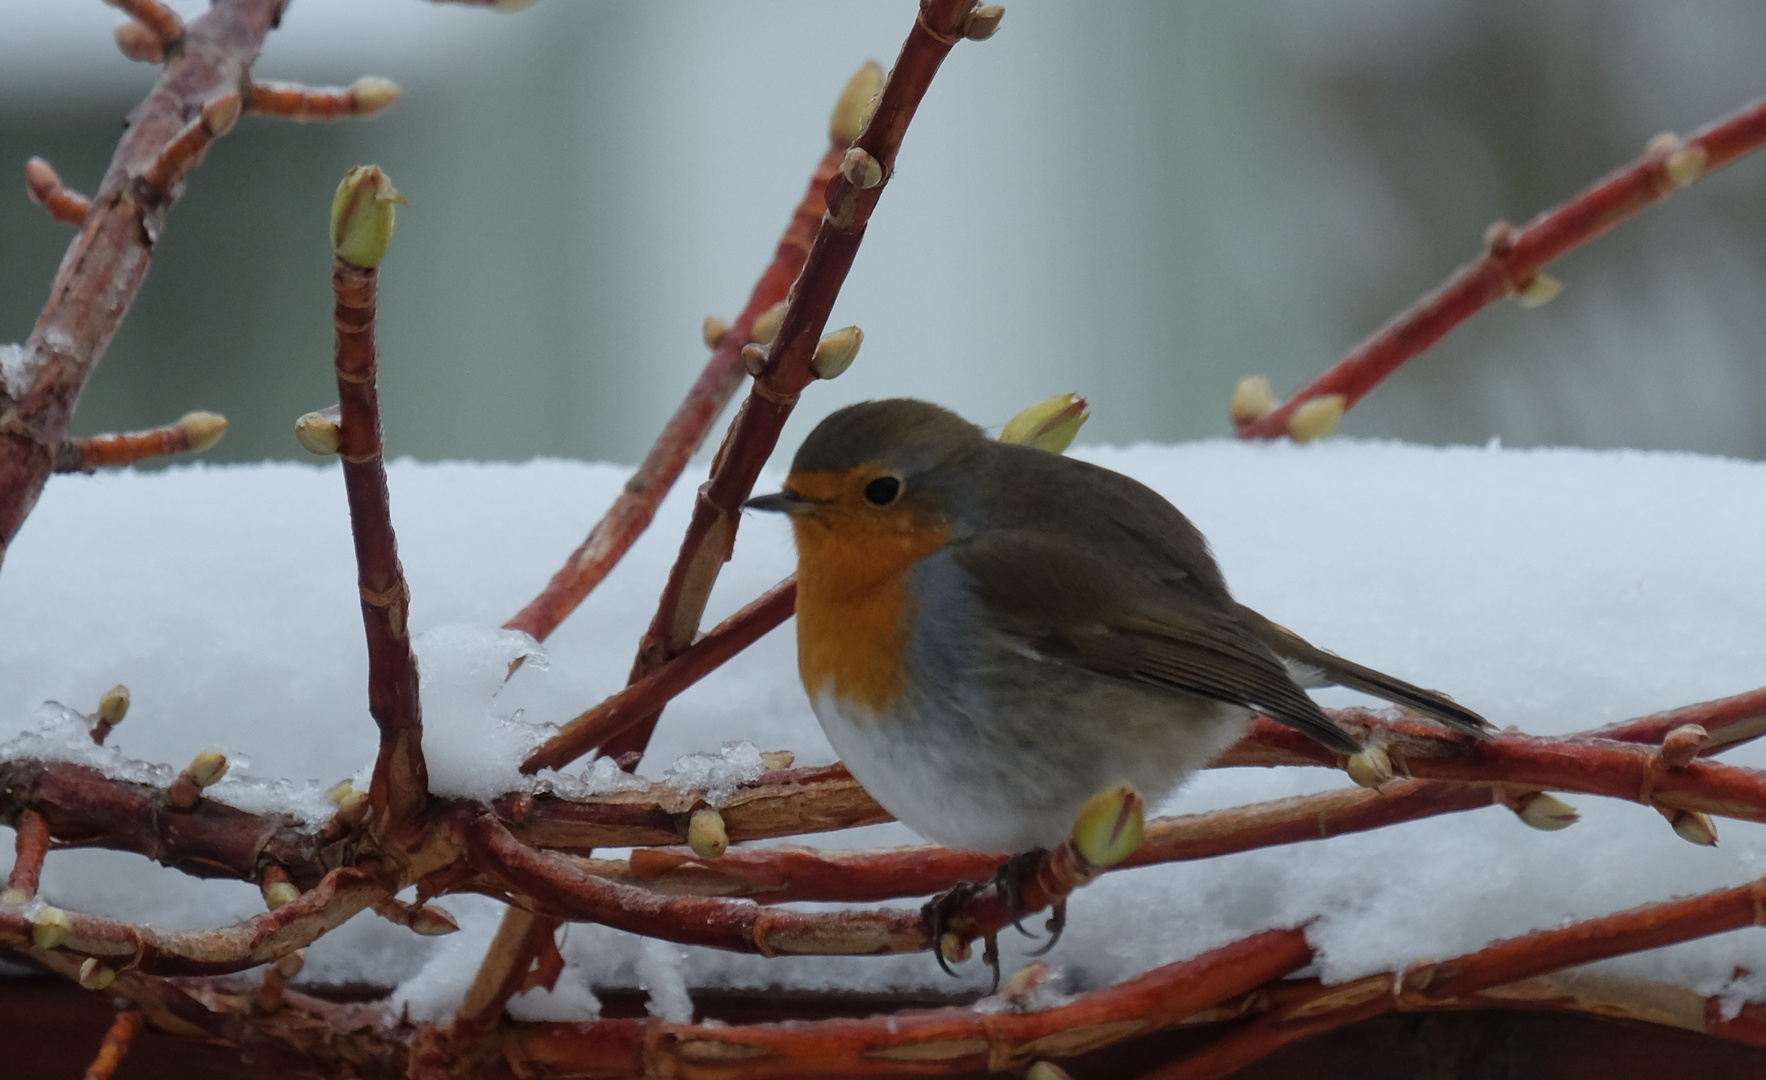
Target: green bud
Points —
{"points": [[362, 216], [1109, 826], [1051, 425], [857, 102], [706, 834], [49, 927], [114, 705]]}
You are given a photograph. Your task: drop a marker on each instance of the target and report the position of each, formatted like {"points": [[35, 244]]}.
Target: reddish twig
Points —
{"points": [[31, 845], [647, 695], [1514, 259], [46, 190], [368, 96], [115, 1047], [194, 431], [955, 1040], [400, 784], [1729, 722], [104, 268], [787, 370], [1309, 1012]]}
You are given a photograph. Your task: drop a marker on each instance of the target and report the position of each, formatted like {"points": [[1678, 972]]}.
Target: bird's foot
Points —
{"points": [[940, 913], [1057, 923], [1014, 874]]}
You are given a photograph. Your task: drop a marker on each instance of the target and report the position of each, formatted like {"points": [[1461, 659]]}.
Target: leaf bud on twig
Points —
{"points": [[1542, 290], [1316, 418], [318, 431], [203, 429], [953, 948], [1544, 812], [14, 896], [94, 975], [205, 769], [1046, 1070], [1681, 746], [777, 759], [863, 170], [766, 325], [1108, 827], [1050, 425], [836, 351], [49, 927], [1370, 768], [714, 330], [114, 705], [983, 22], [138, 43], [1692, 826], [1252, 400], [362, 216], [219, 115], [374, 94], [432, 921], [857, 102], [706, 834], [290, 965]]}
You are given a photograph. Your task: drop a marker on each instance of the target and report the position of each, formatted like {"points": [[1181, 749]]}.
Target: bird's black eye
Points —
{"points": [[882, 491]]}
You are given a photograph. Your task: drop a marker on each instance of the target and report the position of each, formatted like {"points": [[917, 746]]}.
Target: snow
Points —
{"points": [[1552, 590]]}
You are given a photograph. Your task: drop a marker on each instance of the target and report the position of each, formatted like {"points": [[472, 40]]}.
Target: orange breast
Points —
{"points": [[853, 610]]}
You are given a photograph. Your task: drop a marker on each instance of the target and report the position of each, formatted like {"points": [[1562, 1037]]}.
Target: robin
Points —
{"points": [[991, 633]]}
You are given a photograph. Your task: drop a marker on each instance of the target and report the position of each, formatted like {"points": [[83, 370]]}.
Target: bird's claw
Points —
{"points": [[939, 913], [1057, 923], [1015, 873]]}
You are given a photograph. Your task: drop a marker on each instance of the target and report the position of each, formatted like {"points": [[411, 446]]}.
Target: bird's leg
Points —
{"points": [[1015, 873]]}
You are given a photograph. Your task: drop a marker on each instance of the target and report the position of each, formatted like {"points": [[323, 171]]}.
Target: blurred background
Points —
{"points": [[1139, 201]]}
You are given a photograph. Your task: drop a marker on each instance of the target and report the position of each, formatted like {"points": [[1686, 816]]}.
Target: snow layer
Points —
{"points": [[1550, 589]]}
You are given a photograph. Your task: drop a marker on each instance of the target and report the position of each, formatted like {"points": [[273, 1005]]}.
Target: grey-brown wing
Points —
{"points": [[1130, 620], [1341, 672]]}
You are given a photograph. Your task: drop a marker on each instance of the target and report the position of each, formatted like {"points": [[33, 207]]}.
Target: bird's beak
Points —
{"points": [[783, 502]]}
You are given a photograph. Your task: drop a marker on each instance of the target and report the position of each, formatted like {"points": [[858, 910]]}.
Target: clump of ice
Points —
{"points": [[474, 747], [662, 975], [717, 773], [64, 734]]}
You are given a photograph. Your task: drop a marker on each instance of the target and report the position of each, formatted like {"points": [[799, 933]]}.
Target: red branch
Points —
{"points": [[46, 190], [193, 431], [1514, 259], [755, 431], [646, 696], [106, 263], [115, 1047], [940, 1041], [400, 785], [1316, 1009]]}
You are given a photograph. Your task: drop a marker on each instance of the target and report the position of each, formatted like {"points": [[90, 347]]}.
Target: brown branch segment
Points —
{"points": [[400, 785], [195, 431], [31, 845], [368, 96], [107, 262], [754, 433], [157, 19], [1514, 259]]}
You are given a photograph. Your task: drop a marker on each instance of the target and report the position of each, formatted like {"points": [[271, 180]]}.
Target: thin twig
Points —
{"points": [[107, 262], [117, 1040], [1514, 259], [366, 97], [194, 431], [31, 844], [400, 785]]}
